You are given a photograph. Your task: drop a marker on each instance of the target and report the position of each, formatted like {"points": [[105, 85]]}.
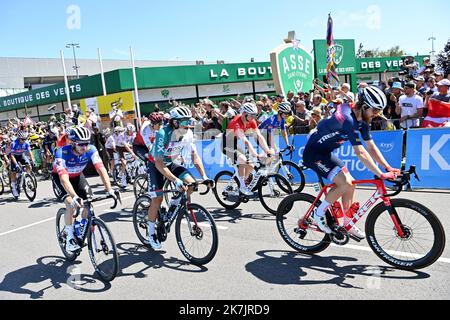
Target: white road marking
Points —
{"points": [[361, 248], [53, 218]]}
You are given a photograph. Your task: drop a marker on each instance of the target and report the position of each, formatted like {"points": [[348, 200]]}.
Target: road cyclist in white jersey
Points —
{"points": [[122, 146]]}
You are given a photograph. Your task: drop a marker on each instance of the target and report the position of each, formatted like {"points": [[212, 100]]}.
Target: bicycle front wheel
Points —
{"points": [[103, 251], [2, 186], [29, 187], [196, 234], [140, 218], [61, 235], [294, 174], [300, 233], [226, 190], [423, 241], [140, 185], [272, 190]]}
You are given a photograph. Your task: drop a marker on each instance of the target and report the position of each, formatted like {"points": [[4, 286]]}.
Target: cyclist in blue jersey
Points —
{"points": [[277, 121], [165, 150], [48, 149], [20, 152], [70, 162], [345, 125]]}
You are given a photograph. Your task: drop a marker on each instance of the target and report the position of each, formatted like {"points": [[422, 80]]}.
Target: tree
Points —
{"points": [[392, 52], [443, 59]]}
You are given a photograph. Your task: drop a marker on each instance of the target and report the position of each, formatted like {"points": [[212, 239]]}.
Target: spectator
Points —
{"points": [[345, 94], [410, 106], [426, 65], [225, 114], [318, 103], [116, 116], [316, 116], [439, 107], [411, 66], [301, 119]]}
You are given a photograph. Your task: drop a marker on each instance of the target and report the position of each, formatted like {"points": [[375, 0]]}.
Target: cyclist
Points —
{"points": [[20, 148], [121, 147], [131, 133], [146, 136], [346, 124], [48, 149], [236, 130], [277, 121], [70, 162], [166, 148]]}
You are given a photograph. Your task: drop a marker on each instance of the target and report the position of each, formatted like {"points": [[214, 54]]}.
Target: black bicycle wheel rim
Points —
{"points": [[187, 242], [107, 270], [289, 213], [389, 250], [61, 235], [272, 202], [297, 174], [29, 187], [2, 186], [230, 205], [140, 214], [140, 186]]}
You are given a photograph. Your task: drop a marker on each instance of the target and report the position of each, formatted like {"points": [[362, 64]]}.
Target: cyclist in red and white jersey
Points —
{"points": [[143, 142], [245, 122]]}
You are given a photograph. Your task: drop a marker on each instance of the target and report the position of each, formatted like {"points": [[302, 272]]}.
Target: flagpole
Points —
{"points": [[66, 81], [101, 71], [136, 90]]}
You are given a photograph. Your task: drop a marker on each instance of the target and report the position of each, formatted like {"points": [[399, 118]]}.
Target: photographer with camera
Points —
{"points": [[410, 66], [427, 67]]}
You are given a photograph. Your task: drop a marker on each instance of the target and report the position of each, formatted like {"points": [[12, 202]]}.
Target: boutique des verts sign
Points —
{"points": [[293, 68]]}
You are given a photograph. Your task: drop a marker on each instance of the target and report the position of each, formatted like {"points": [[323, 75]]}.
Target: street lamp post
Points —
{"points": [[76, 67], [432, 38]]}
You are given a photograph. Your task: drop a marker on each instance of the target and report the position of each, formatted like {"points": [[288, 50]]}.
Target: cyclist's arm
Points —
{"points": [[161, 166], [367, 160], [262, 141], [198, 162], [376, 154], [241, 136]]}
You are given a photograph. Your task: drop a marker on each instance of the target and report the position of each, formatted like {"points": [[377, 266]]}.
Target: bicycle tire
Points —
{"points": [[436, 226], [231, 205], [56, 191], [29, 187], [282, 183], [285, 208], [116, 179], [6, 178], [168, 185], [204, 218], [111, 251], [298, 173], [140, 214], [61, 235], [140, 185], [2, 186]]}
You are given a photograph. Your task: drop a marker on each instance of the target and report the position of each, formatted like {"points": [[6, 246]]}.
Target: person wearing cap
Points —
{"points": [[411, 66], [410, 106], [426, 65], [393, 94], [439, 75], [443, 91]]}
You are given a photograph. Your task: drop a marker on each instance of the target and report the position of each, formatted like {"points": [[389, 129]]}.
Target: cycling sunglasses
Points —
{"points": [[82, 144]]}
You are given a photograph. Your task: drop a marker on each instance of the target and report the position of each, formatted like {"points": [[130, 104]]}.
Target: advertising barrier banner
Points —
{"points": [[429, 151], [389, 143]]}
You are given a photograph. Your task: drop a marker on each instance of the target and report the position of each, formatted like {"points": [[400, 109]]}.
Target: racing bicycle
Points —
{"points": [[269, 187], [101, 245], [195, 228], [401, 232], [27, 182]]}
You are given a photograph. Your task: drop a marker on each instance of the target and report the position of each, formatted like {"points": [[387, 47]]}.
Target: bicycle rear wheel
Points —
{"points": [[140, 218], [29, 187], [424, 239], [226, 190], [294, 174], [272, 190], [297, 232], [5, 175], [140, 185], [196, 234], [103, 251], [61, 235], [2, 185]]}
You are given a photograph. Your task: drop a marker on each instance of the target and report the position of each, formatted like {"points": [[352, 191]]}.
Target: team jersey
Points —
{"points": [[166, 146], [66, 162], [110, 143], [273, 123], [236, 125], [49, 142], [120, 139], [146, 136], [342, 126], [17, 148], [130, 139]]}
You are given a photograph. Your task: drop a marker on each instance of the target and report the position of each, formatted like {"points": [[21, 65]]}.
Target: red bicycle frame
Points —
{"points": [[379, 194]]}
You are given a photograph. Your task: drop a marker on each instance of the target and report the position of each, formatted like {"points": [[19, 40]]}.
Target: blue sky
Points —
{"points": [[230, 30]]}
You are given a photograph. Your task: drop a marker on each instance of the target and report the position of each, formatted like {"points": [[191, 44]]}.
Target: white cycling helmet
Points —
{"points": [[180, 112], [22, 135], [131, 127], [80, 134], [119, 129], [249, 108], [284, 107], [373, 97]]}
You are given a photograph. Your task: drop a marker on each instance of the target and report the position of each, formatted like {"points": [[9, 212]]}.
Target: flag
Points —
{"points": [[332, 76], [438, 114]]}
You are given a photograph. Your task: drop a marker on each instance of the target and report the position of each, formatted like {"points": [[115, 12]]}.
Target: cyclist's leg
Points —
{"points": [[155, 187], [110, 153], [183, 174], [84, 191]]}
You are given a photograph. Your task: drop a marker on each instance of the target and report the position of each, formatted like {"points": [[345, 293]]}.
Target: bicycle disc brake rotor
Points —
{"points": [[340, 236]]}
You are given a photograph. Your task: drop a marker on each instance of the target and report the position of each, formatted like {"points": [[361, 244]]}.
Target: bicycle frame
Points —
{"points": [[380, 193]]}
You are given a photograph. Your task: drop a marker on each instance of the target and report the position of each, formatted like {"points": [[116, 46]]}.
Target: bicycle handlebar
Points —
{"points": [[403, 180], [97, 199]]}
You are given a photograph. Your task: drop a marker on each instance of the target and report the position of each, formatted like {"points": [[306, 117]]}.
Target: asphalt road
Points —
{"points": [[252, 261]]}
